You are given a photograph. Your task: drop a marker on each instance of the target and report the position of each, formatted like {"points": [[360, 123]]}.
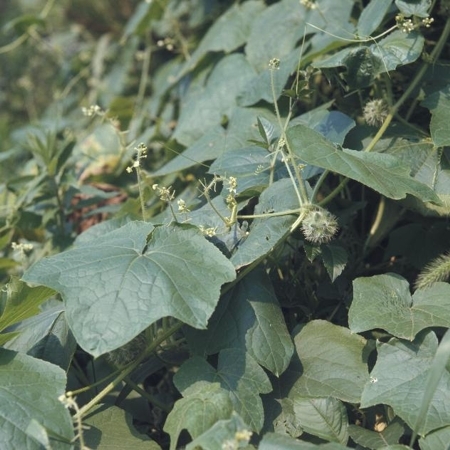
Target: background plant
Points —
{"points": [[224, 224]]}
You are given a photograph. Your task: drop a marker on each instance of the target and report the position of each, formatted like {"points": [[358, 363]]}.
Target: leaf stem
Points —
{"points": [[128, 369]]}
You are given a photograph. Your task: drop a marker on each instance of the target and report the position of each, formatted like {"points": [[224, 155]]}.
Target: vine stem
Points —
{"points": [[128, 369], [300, 190]]}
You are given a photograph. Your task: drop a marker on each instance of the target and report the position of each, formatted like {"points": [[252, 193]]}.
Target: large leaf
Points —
{"points": [[111, 428], [383, 173], [204, 108], [384, 301], [260, 87], [365, 63], [227, 33], [117, 285], [398, 49], [439, 105], [288, 22], [322, 417], [334, 362], [399, 378], [29, 401], [250, 318], [238, 373]]}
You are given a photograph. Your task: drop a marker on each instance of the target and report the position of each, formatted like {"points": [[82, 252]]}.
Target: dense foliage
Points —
{"points": [[224, 224]]}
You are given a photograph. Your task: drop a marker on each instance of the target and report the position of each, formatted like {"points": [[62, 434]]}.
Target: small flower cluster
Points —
{"points": [[69, 401], [407, 25], [274, 64], [182, 207], [167, 43], [375, 112], [93, 110], [231, 197], [308, 4], [141, 153], [230, 200], [241, 437], [164, 193], [208, 231], [319, 225], [21, 247]]}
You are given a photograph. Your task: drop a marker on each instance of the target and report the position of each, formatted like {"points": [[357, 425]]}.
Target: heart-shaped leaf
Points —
{"points": [[238, 373], [384, 301], [334, 362], [117, 285]]}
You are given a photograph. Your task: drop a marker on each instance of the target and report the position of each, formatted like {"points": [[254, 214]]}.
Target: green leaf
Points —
{"points": [[325, 418], [238, 373], [384, 301], [221, 432], [334, 362], [383, 173], [437, 369], [227, 33], [248, 317], [19, 302], [208, 147], [417, 8], [217, 141], [204, 108], [373, 439], [117, 285], [365, 63], [145, 13], [372, 16], [46, 336], [286, 22], [439, 105], [399, 378], [110, 428], [198, 412], [334, 259], [436, 440], [273, 441], [398, 49], [30, 391], [259, 87], [266, 232], [429, 165]]}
